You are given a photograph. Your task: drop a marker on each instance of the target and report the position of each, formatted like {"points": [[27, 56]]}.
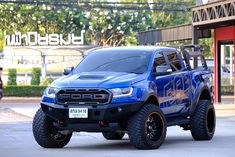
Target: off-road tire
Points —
{"points": [[113, 135], [203, 121], [138, 130], [42, 126]]}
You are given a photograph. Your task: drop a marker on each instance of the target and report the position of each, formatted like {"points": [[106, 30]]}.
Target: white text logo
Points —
{"points": [[35, 39]]}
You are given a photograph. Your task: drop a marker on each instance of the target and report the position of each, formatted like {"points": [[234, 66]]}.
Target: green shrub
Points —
{"points": [[23, 91], [227, 89], [11, 77], [47, 81], [36, 73]]}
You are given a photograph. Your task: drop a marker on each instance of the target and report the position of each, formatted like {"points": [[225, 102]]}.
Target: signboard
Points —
{"points": [[35, 39]]}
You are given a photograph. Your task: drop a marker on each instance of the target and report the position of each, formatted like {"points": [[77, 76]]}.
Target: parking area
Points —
{"points": [[17, 138]]}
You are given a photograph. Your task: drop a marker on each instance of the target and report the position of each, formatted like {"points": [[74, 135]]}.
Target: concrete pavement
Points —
{"points": [[17, 138], [20, 100], [8, 115], [17, 141], [28, 106]]}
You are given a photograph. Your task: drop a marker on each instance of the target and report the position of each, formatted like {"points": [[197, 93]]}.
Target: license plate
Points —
{"points": [[78, 112]]}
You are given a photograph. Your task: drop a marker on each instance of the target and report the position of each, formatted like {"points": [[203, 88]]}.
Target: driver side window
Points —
{"points": [[159, 60]]}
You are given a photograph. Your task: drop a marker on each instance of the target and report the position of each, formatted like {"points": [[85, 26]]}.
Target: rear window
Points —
{"points": [[174, 61], [200, 64]]}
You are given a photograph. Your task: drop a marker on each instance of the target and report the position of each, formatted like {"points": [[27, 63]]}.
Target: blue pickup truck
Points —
{"points": [[139, 90]]}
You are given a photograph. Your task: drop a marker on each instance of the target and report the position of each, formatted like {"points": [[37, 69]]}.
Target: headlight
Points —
{"points": [[51, 91], [118, 92]]}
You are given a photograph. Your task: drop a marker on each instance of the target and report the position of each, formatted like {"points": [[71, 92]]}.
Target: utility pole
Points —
{"points": [[44, 68]]}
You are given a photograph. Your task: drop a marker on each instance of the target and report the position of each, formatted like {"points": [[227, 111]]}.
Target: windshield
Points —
{"points": [[130, 62]]}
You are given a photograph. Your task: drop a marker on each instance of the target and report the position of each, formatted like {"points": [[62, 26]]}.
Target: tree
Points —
{"points": [[1, 41], [102, 26]]}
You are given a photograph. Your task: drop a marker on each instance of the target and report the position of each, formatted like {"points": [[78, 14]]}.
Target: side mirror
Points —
{"points": [[163, 70], [68, 70]]}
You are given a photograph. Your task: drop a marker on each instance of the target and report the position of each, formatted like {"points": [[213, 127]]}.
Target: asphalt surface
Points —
{"points": [[17, 139]]}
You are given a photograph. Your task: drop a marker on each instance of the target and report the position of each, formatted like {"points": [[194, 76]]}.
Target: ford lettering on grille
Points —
{"points": [[83, 96], [89, 96]]}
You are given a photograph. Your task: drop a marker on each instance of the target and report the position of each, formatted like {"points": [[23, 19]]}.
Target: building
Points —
{"points": [[213, 17], [51, 59]]}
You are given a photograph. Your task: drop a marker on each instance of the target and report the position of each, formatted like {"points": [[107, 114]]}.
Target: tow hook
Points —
{"points": [[102, 123]]}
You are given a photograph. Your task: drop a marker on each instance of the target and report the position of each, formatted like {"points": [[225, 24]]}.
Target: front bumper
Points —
{"points": [[109, 114]]}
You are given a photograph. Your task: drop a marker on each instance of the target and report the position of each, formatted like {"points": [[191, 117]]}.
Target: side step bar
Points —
{"points": [[177, 121]]}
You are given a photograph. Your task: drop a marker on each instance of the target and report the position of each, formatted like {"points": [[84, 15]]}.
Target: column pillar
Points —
{"points": [[216, 88], [44, 69], [223, 54], [231, 64], [195, 42]]}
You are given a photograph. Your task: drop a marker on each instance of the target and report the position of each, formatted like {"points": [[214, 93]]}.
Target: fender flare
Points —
{"points": [[196, 97], [146, 96]]}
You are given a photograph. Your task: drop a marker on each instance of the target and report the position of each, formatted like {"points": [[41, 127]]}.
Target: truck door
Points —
{"points": [[164, 84], [180, 82]]}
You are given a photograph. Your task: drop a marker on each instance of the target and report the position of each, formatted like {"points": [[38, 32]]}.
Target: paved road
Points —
{"points": [[28, 106], [24, 106], [17, 141]]}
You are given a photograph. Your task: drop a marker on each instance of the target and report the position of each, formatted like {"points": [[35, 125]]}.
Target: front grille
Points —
{"points": [[83, 96]]}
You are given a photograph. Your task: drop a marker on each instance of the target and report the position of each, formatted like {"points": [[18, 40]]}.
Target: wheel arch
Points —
{"points": [[152, 99], [205, 95], [202, 93]]}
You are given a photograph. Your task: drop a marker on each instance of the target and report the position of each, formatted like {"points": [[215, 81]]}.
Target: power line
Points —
{"points": [[156, 6], [90, 2], [139, 3]]}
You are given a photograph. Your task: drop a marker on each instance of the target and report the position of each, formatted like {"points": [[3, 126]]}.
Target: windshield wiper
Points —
{"points": [[134, 72]]}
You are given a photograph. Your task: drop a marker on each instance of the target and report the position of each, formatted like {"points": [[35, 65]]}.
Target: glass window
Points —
{"points": [[115, 61], [200, 63], [174, 61], [159, 60]]}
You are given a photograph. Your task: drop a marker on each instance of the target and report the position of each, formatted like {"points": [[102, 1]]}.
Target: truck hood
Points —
{"points": [[98, 79]]}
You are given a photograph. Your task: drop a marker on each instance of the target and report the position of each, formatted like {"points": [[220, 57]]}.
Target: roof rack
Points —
{"points": [[196, 52], [191, 51]]}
